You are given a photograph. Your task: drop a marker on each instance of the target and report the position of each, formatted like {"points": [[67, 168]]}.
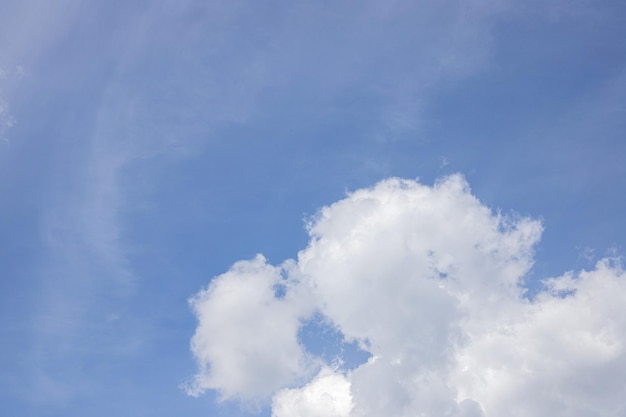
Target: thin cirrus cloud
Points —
{"points": [[144, 96], [431, 283], [7, 120]]}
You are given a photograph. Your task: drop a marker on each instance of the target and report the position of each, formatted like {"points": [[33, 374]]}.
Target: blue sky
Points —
{"points": [[146, 147]]}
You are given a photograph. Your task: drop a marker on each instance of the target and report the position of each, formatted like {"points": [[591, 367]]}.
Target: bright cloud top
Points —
{"points": [[430, 282]]}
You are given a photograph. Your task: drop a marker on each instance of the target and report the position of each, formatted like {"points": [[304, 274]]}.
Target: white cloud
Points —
{"points": [[564, 356], [430, 282], [328, 395], [246, 341]]}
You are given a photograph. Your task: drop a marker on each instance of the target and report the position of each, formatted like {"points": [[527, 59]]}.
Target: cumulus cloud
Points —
{"points": [[431, 283], [246, 341], [327, 395]]}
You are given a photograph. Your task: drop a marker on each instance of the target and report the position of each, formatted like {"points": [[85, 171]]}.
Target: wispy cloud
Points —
{"points": [[130, 87], [7, 120]]}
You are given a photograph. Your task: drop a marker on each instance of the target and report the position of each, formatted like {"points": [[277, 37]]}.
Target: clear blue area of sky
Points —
{"points": [[146, 146]]}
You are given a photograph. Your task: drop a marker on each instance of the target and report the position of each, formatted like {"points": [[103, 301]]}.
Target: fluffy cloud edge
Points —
{"points": [[430, 281]]}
